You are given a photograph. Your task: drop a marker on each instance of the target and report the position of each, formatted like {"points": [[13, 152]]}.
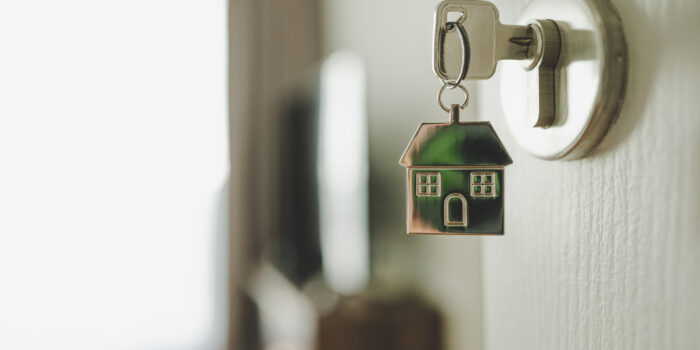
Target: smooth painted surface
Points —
{"points": [[604, 253]]}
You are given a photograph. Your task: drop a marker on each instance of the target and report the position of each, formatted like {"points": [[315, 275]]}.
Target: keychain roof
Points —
{"points": [[455, 144]]}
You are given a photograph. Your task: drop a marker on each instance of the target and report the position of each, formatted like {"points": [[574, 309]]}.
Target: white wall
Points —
{"points": [[113, 175], [604, 253]]}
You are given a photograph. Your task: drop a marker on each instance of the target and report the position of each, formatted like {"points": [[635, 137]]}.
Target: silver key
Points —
{"points": [[489, 40]]}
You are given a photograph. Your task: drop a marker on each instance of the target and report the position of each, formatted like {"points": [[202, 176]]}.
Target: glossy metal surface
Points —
{"points": [[446, 162], [489, 40], [592, 74], [545, 50], [466, 54], [540, 42], [442, 90]]}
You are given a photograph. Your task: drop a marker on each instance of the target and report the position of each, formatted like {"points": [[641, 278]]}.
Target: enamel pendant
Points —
{"points": [[455, 178]]}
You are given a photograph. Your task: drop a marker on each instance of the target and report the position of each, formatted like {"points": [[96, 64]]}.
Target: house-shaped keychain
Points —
{"points": [[455, 178]]}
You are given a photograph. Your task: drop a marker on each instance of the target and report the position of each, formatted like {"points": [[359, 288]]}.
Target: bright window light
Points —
{"points": [[343, 173], [113, 170]]}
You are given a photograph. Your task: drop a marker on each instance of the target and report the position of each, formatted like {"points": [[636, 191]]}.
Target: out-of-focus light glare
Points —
{"points": [[113, 168], [343, 173], [287, 315]]}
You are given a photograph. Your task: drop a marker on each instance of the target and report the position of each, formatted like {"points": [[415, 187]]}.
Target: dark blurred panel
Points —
{"points": [[250, 325], [295, 248]]}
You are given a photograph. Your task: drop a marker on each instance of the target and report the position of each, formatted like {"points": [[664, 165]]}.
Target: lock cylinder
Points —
{"points": [[543, 54]]}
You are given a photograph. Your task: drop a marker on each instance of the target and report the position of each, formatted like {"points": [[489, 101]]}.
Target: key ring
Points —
{"points": [[466, 54], [442, 90]]}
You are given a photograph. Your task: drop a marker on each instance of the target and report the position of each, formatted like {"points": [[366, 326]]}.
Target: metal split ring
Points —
{"points": [[466, 54], [442, 90]]}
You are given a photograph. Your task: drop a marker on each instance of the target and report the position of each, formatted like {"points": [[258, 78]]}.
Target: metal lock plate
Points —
{"points": [[489, 40], [561, 102], [590, 79]]}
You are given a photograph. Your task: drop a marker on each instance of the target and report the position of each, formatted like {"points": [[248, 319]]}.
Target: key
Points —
{"points": [[489, 40]]}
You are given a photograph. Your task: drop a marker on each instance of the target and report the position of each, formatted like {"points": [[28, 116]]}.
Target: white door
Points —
{"points": [[604, 253]]}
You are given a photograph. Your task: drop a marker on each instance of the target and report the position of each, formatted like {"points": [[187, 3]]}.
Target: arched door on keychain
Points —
{"points": [[455, 211]]}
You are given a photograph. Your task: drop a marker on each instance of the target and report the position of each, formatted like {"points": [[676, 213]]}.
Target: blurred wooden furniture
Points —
{"points": [[364, 324]]}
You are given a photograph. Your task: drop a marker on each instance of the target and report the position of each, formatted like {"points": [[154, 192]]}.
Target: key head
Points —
{"points": [[489, 40]]}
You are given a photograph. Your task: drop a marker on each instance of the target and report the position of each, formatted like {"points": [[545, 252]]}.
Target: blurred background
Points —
{"points": [[224, 175], [213, 174]]}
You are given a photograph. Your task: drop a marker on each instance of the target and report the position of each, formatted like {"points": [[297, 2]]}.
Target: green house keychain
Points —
{"points": [[454, 176], [455, 171]]}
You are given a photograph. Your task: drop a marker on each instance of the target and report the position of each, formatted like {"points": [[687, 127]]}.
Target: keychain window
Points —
{"points": [[427, 184], [483, 184]]}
